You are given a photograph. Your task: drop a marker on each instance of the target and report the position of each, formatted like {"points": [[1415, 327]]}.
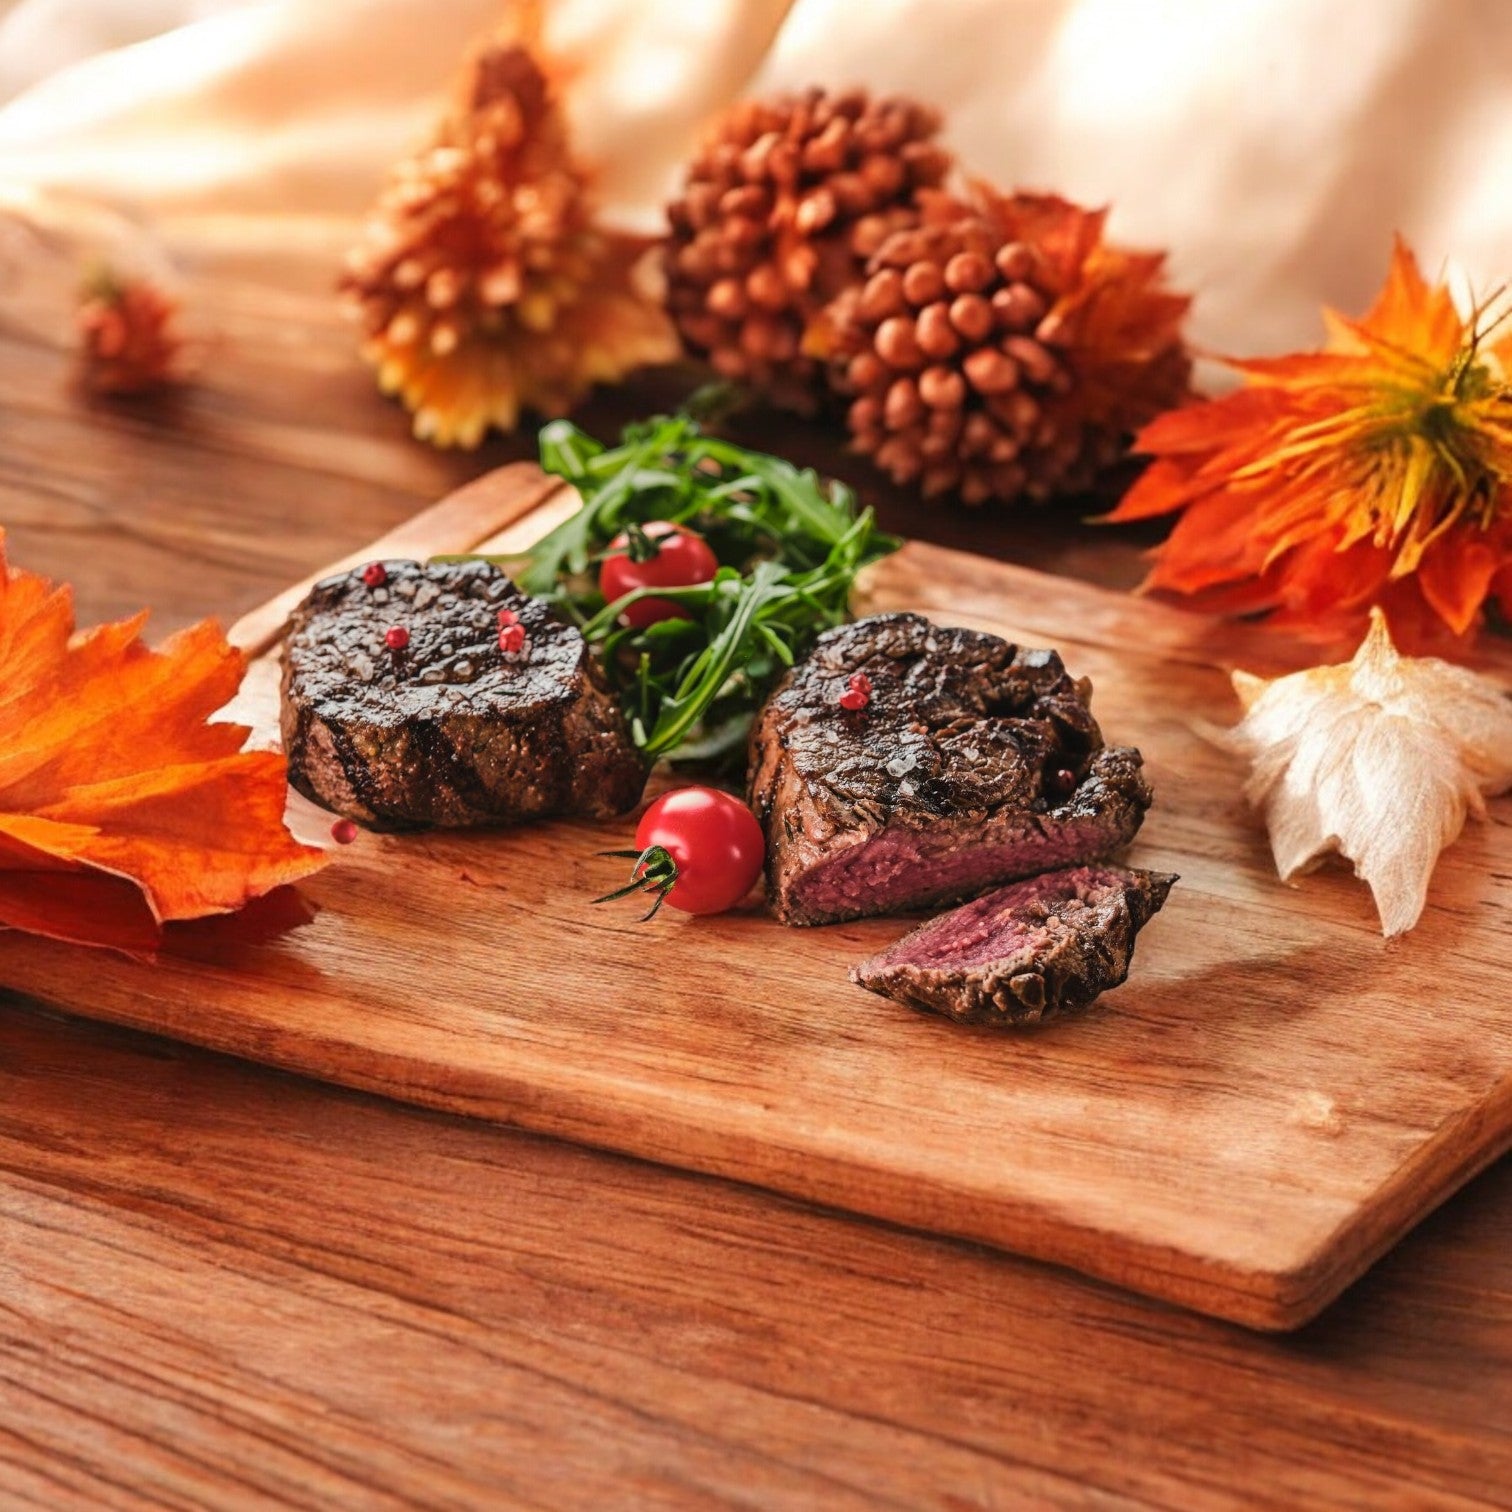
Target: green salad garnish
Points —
{"points": [[788, 545]]}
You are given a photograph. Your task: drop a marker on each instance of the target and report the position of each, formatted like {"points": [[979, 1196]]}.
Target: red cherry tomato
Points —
{"points": [[681, 559], [697, 849]]}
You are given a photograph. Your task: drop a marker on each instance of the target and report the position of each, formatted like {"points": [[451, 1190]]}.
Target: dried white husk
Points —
{"points": [[1379, 759]]}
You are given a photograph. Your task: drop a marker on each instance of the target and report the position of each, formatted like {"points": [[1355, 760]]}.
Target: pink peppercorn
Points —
{"points": [[857, 693], [396, 638], [343, 832], [375, 574]]}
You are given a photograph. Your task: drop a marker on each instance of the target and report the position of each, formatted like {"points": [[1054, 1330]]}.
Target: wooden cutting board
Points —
{"points": [[1274, 1098]]}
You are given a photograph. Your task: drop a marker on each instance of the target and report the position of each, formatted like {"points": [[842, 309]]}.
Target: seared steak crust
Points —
{"points": [[974, 763], [448, 730], [1026, 952]]}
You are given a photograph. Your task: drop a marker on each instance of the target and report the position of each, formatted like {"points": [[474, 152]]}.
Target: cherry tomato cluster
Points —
{"points": [[697, 849], [658, 554]]}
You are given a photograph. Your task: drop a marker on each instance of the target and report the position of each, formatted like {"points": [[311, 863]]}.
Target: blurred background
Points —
{"points": [[1273, 145]]}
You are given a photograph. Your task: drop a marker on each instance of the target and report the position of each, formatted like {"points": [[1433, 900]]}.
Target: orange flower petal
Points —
{"points": [[1455, 576], [1213, 543], [1414, 315], [1160, 490], [1375, 471]]}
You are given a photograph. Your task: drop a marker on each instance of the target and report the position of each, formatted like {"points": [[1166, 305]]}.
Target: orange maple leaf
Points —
{"points": [[1377, 471], [122, 805]]}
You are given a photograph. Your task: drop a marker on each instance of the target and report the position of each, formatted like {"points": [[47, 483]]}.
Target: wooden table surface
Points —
{"points": [[221, 1286]]}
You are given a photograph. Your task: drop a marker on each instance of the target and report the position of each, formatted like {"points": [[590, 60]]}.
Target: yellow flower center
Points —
{"points": [[1442, 441]]}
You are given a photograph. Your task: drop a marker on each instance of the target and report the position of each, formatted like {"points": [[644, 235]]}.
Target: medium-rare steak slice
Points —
{"points": [[1026, 952], [447, 727], [972, 763]]}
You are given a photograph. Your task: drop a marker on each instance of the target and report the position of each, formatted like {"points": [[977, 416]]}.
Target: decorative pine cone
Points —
{"points": [[1001, 349], [783, 203], [483, 284], [127, 329]]}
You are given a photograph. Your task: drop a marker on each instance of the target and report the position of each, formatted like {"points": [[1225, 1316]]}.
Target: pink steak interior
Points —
{"points": [[1002, 923], [897, 870]]}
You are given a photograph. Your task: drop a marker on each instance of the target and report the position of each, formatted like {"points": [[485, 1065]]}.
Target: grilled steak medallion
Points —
{"points": [[448, 728], [973, 763], [1025, 952]]}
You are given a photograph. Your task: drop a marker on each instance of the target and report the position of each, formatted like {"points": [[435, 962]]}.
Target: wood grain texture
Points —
{"points": [[224, 1331], [226, 1287], [1242, 1129]]}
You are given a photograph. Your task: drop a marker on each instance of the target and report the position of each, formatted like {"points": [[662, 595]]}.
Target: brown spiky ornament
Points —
{"points": [[783, 203], [1002, 349], [483, 283]]}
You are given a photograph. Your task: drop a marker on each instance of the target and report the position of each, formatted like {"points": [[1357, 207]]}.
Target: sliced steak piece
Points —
{"points": [[448, 729], [973, 763], [1026, 952]]}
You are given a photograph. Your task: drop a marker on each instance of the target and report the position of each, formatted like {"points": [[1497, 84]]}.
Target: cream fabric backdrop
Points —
{"points": [[1272, 145]]}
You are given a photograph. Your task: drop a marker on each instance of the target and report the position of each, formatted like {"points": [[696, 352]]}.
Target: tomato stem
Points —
{"points": [[639, 546], [655, 871]]}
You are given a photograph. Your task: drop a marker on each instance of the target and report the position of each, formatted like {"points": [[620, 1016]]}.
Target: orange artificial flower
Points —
{"points": [[483, 282], [122, 805], [128, 335], [1377, 471]]}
